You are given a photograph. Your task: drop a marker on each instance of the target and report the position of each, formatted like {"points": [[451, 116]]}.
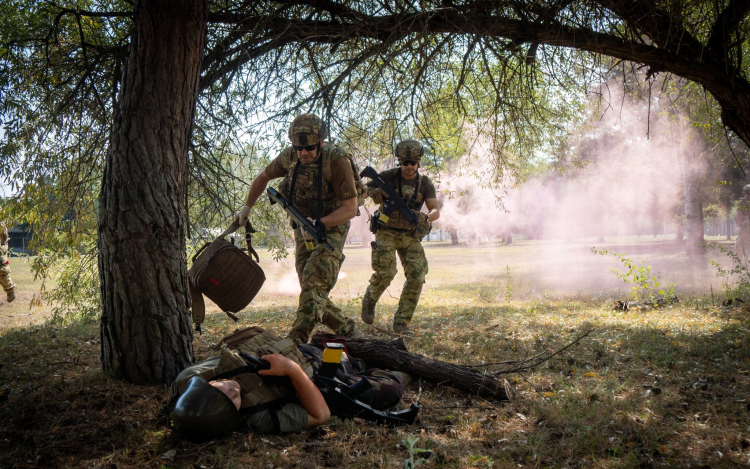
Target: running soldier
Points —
{"points": [[742, 219], [399, 236], [5, 281], [319, 181]]}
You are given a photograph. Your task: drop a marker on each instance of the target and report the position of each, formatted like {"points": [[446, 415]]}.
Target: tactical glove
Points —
{"points": [[425, 225], [377, 195], [241, 216]]}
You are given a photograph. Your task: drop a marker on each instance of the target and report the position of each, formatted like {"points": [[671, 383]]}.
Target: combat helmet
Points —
{"points": [[746, 189], [408, 150], [203, 412], [307, 129]]}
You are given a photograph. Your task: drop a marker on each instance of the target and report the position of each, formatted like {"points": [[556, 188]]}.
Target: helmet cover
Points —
{"points": [[746, 189], [307, 129], [203, 412], [409, 150]]}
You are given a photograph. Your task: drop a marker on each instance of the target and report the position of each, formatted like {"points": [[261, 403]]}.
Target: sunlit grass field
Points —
{"points": [[648, 387]]}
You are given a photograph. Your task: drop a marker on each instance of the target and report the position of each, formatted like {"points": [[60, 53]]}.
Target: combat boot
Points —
{"points": [[11, 294], [368, 310], [402, 328], [350, 330]]}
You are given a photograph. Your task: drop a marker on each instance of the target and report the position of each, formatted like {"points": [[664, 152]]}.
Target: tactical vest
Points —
{"points": [[396, 219], [256, 390], [305, 196], [3, 235]]}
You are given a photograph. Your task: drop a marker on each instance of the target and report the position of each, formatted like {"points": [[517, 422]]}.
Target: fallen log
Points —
{"points": [[393, 355]]}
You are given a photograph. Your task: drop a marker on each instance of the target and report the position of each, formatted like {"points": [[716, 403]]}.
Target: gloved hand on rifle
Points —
{"points": [[424, 222], [319, 226]]}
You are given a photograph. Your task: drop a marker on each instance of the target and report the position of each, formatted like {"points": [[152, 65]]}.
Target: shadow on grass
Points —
{"points": [[628, 395]]}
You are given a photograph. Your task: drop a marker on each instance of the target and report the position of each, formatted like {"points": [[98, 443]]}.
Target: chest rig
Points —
{"points": [[414, 200], [309, 186]]}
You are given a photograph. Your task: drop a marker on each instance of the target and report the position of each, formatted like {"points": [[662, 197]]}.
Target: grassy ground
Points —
{"points": [[652, 387]]}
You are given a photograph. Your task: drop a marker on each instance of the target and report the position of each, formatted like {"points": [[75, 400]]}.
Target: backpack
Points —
{"points": [[257, 391], [225, 274]]}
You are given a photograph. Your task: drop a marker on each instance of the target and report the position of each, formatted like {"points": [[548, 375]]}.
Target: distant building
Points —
{"points": [[20, 235]]}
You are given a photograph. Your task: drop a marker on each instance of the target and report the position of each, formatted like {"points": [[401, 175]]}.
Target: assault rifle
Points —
{"points": [[341, 398], [317, 230], [393, 202]]}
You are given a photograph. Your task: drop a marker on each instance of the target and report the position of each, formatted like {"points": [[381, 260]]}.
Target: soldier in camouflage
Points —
{"points": [[5, 281], [399, 236], [318, 180], [742, 219]]}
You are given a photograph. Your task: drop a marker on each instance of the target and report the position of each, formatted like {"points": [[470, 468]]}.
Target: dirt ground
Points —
{"points": [[648, 387]]}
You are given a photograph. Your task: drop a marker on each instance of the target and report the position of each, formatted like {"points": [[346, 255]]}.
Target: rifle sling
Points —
{"points": [[416, 188]]}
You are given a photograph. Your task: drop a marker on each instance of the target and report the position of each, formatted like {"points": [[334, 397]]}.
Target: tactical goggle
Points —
{"points": [[409, 162], [305, 147]]}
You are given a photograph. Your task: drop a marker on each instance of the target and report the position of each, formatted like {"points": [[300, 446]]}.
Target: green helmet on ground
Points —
{"points": [[307, 129], [203, 412], [409, 150]]}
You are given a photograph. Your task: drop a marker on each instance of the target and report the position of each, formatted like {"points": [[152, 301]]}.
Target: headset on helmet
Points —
{"points": [[307, 129], [408, 150], [203, 412]]}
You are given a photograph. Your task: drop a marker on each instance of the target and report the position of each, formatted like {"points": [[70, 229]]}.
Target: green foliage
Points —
{"points": [[410, 443], [735, 280], [643, 282]]}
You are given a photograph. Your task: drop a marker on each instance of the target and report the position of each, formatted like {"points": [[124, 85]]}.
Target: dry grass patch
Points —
{"points": [[659, 387]]}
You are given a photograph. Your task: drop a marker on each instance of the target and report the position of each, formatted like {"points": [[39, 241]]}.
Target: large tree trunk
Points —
{"points": [[145, 327], [394, 356], [454, 235]]}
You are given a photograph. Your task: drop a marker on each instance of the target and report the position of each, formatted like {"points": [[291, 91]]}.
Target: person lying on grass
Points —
{"points": [[223, 394]]}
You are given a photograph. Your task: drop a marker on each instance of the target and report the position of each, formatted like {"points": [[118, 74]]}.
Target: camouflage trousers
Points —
{"points": [[318, 271], [5, 281], [414, 262], [742, 245]]}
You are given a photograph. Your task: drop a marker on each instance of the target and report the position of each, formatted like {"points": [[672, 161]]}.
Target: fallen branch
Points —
{"points": [[522, 365]]}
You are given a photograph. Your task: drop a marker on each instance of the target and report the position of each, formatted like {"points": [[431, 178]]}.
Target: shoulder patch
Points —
{"points": [[346, 191]]}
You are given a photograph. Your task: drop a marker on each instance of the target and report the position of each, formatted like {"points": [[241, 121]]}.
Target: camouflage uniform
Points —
{"points": [[387, 390], [5, 281], [318, 269], [399, 236], [742, 245]]}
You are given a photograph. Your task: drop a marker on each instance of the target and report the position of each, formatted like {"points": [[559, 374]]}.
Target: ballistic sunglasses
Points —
{"points": [[409, 162], [306, 148]]}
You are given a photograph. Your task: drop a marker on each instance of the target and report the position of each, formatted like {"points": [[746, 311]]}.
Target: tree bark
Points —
{"points": [[454, 235], [394, 356], [145, 327]]}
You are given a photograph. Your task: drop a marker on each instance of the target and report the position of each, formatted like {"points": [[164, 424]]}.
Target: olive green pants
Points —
{"points": [[414, 262], [318, 271]]}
